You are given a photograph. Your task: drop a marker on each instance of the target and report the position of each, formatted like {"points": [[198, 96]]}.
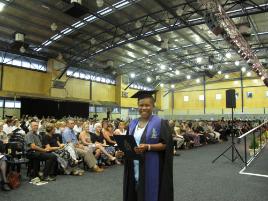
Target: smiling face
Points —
{"points": [[145, 107]]}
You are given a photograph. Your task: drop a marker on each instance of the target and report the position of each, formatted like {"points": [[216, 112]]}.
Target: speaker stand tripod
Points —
{"points": [[232, 146]]}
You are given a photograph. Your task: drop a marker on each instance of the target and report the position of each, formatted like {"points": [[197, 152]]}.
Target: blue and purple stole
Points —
{"points": [[151, 158]]}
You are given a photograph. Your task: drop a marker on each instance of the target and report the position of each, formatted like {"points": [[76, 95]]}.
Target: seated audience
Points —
{"points": [[69, 136], [36, 153], [8, 126], [178, 139], [97, 136], [121, 129], [3, 168], [65, 154], [3, 135], [78, 127], [17, 128], [96, 147], [108, 135]]}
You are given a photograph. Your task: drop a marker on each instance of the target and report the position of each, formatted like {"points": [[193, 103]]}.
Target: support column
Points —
{"points": [[242, 91], [90, 90], [172, 103], [2, 76], [204, 91]]}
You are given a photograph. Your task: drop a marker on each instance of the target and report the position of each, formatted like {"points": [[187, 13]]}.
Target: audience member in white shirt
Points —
{"points": [[17, 127], [78, 127], [8, 126]]}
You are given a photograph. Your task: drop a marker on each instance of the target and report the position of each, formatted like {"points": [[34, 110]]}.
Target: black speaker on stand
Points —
{"points": [[230, 103], [108, 115], [230, 98]]}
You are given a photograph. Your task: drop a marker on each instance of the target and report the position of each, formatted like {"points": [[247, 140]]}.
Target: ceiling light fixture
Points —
{"points": [[248, 74], [188, 77], [198, 59], [148, 79], [210, 67], [237, 63], [138, 24], [177, 72], [162, 85], [179, 11], [226, 76], [2, 5], [228, 55], [53, 26], [92, 41], [132, 75], [219, 72], [197, 80], [22, 49], [162, 66], [172, 86], [243, 69], [99, 3]]}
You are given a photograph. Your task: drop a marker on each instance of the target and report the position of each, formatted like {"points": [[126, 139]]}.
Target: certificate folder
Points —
{"points": [[127, 144]]}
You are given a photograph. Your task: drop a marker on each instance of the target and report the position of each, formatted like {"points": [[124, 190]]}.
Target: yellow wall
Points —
{"points": [[256, 104], [18, 82], [25, 81], [103, 92], [22, 82]]}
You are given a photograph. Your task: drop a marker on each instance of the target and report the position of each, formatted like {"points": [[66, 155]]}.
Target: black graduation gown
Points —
{"points": [[131, 192]]}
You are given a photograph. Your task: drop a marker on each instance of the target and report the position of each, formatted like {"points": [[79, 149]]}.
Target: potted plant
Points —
{"points": [[254, 145]]}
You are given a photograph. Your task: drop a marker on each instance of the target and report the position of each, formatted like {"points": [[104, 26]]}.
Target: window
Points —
{"points": [[266, 93], [69, 72], [22, 61], [249, 94], [9, 104], [76, 74], [185, 98], [16, 62], [133, 111], [1, 103], [17, 104], [26, 64], [201, 97], [218, 96], [116, 110], [12, 104], [91, 109], [101, 109], [82, 75], [103, 80], [87, 75]]}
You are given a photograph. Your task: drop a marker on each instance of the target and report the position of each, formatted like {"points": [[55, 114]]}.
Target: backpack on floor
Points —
{"points": [[13, 179]]}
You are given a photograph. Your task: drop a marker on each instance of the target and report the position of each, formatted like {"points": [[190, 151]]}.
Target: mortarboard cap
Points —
{"points": [[144, 94]]}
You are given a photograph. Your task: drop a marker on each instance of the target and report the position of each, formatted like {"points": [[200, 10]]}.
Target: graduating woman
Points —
{"points": [[151, 177]]}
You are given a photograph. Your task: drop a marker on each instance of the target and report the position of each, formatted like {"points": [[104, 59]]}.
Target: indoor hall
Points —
{"points": [[72, 74]]}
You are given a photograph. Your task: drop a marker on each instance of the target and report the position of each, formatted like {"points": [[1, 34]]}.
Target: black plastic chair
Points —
{"points": [[16, 155]]}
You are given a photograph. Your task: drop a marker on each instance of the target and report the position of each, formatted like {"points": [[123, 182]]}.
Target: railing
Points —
{"points": [[259, 138]]}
